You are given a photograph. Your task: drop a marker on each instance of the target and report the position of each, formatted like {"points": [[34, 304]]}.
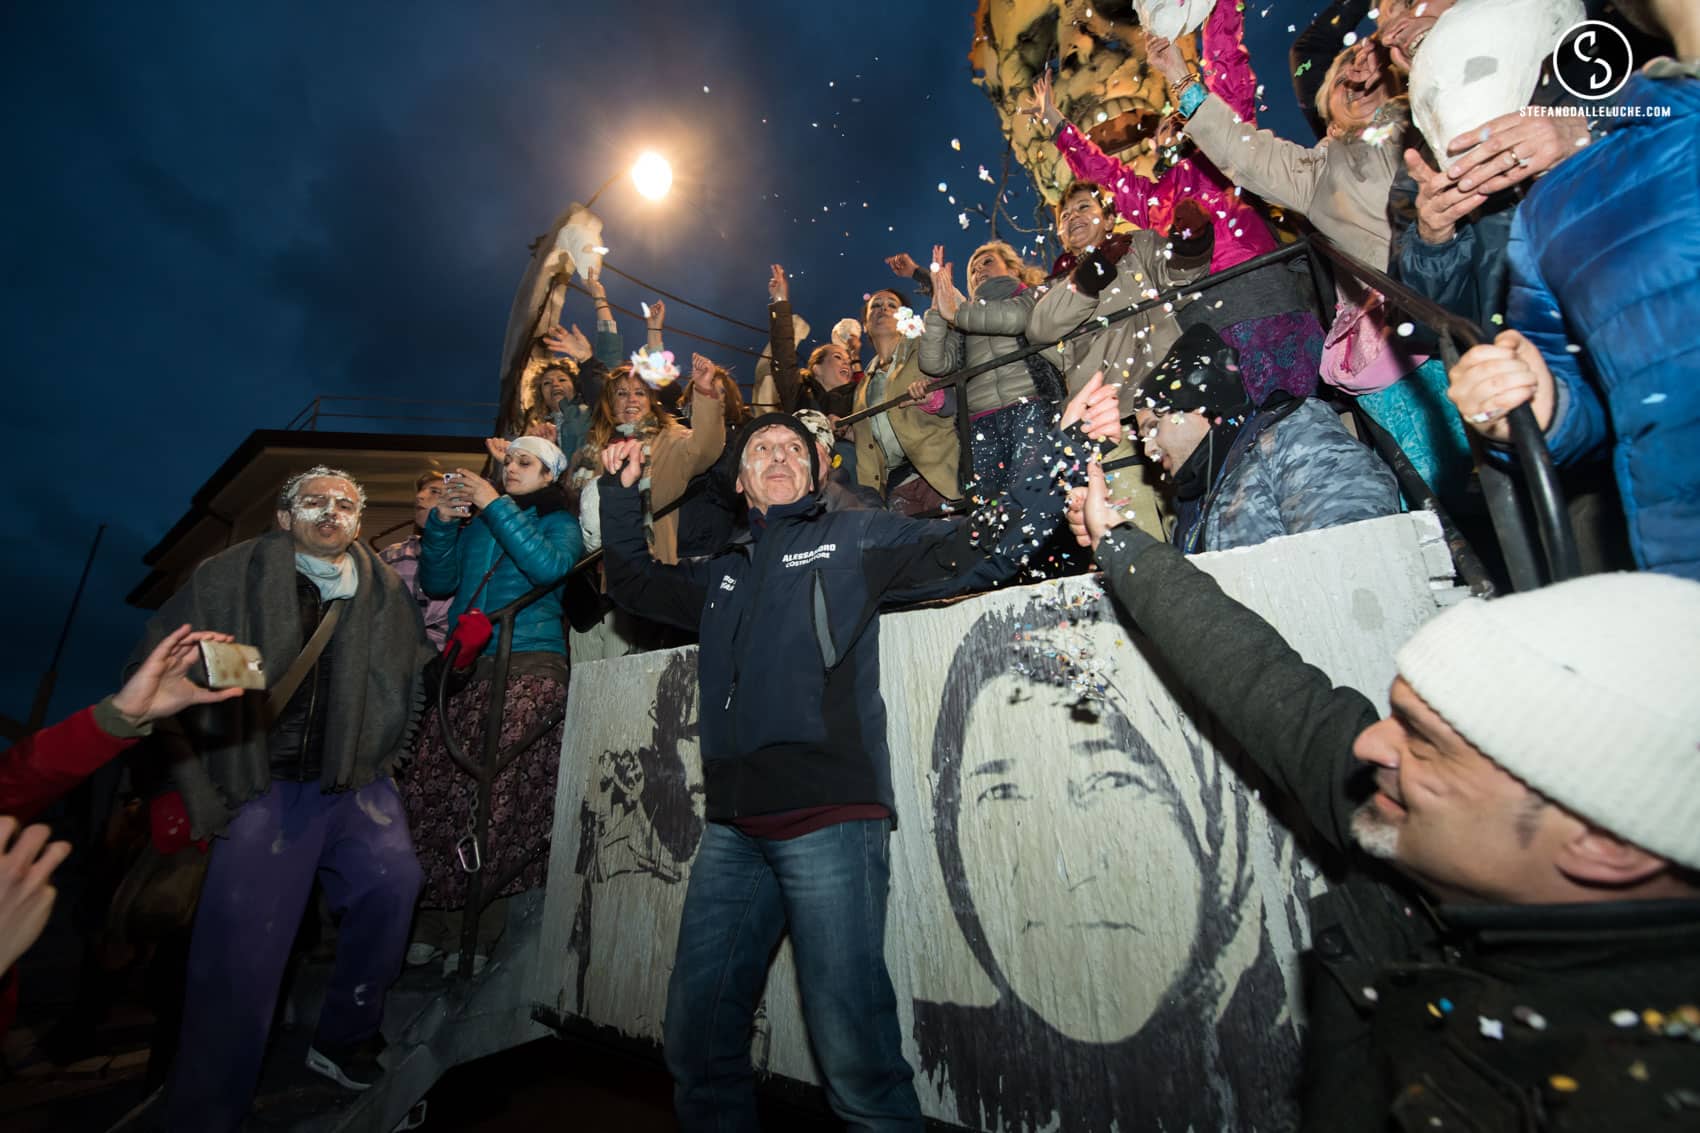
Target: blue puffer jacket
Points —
{"points": [[1605, 255], [454, 557]]}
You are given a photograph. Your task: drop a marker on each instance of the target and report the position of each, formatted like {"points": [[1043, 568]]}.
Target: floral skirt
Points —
{"points": [[441, 799]]}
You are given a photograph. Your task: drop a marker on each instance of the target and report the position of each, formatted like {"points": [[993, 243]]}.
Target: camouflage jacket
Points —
{"points": [[1292, 468]]}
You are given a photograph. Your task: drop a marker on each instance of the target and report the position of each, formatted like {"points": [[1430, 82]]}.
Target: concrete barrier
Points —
{"points": [[1095, 917]]}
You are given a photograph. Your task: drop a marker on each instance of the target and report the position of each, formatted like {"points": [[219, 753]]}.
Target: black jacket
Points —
{"points": [[791, 713], [1476, 1018], [296, 743]]}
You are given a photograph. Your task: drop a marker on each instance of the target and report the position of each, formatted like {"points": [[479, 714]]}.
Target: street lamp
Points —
{"points": [[650, 173]]}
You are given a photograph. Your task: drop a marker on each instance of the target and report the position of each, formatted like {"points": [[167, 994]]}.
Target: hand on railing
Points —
{"points": [[1491, 380]]}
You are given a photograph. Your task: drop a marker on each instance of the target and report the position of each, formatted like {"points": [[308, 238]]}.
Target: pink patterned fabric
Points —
{"points": [[1241, 233]]}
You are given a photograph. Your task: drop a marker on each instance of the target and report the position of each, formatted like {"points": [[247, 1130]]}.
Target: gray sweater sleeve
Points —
{"points": [[1293, 723]]}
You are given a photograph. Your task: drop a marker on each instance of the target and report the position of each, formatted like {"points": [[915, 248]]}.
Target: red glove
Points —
{"points": [[168, 824]]}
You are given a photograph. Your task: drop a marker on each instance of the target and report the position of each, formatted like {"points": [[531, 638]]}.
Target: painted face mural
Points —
{"points": [[642, 819], [1101, 84], [1104, 886]]}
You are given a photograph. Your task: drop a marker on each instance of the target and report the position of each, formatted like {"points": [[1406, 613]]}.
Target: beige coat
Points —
{"points": [[676, 457], [929, 441], [1127, 350], [1340, 184]]}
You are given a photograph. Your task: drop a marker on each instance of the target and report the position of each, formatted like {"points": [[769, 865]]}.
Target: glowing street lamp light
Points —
{"points": [[652, 175]]}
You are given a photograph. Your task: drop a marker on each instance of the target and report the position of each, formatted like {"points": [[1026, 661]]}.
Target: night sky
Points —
{"points": [[217, 212]]}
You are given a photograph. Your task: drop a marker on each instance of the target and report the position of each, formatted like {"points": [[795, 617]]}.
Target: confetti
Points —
{"points": [[943, 188], [1491, 1028], [956, 143], [1406, 330]]}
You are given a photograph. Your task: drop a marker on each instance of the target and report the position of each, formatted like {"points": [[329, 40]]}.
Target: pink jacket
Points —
{"points": [[1240, 232]]}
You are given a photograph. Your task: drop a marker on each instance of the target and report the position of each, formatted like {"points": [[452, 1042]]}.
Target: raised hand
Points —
{"points": [[902, 265], [26, 898], [657, 316], [1097, 409], [778, 287], [1192, 220], [945, 295], [161, 686], [1492, 380], [702, 376], [572, 343], [1089, 512], [1043, 107], [468, 487], [497, 447], [624, 458], [1512, 149], [1166, 57], [1441, 204], [593, 284]]}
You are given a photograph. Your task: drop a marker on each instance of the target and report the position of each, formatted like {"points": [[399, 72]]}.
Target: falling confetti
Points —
{"points": [[956, 143]]}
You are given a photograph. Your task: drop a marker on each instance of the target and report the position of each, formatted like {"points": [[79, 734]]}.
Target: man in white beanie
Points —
{"points": [[1511, 937]]}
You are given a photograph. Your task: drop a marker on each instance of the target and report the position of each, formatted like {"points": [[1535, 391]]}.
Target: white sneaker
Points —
{"points": [[451, 963], [420, 954]]}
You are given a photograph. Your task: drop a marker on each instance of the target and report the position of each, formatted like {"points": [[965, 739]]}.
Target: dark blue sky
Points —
{"points": [[216, 212]]}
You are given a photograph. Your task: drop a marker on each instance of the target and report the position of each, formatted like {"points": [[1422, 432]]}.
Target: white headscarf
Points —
{"points": [[544, 450]]}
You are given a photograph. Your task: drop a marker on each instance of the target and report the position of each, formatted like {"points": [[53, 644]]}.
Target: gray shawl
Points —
{"points": [[249, 591]]}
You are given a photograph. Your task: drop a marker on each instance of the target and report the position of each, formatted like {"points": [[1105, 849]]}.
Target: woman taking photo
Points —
{"points": [[487, 549]]}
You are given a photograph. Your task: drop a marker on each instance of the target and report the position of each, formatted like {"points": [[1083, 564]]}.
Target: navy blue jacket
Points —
{"points": [[788, 670], [1605, 256]]}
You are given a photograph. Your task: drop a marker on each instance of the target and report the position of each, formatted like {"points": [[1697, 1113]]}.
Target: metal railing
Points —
{"points": [[492, 762], [326, 408]]}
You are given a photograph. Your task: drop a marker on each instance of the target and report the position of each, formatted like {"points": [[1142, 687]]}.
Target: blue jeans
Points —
{"points": [[829, 888], [258, 880]]}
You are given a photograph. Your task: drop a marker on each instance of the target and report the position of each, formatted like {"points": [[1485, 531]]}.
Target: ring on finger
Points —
{"points": [[1512, 154]]}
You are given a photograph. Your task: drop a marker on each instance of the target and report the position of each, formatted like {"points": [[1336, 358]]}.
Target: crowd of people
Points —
{"points": [[1517, 839]]}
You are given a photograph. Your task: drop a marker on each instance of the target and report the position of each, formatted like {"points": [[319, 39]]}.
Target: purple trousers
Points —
{"points": [[258, 880]]}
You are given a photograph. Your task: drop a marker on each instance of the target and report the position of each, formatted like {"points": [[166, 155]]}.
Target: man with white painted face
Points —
{"points": [[1509, 936], [293, 785], [796, 774]]}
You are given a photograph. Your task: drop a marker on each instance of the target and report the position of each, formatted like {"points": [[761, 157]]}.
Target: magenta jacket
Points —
{"points": [[1240, 232]]}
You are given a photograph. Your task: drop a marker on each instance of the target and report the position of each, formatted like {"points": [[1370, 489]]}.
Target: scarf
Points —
{"points": [[374, 702], [334, 580]]}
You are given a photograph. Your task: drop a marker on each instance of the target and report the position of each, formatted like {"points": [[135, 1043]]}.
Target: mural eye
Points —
{"points": [[1001, 793], [1109, 781]]}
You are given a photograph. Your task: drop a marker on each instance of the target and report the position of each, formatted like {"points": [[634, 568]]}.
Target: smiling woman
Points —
{"points": [[1099, 869]]}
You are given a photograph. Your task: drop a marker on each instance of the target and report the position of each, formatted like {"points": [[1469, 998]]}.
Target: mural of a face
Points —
{"points": [[1101, 85], [1106, 914]]}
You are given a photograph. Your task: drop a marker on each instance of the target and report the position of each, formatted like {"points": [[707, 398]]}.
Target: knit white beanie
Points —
{"points": [[545, 451], [1588, 691]]}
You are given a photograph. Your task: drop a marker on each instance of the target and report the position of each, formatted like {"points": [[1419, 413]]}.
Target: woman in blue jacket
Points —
{"points": [[488, 549]]}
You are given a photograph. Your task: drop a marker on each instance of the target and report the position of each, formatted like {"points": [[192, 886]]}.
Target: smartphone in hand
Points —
{"points": [[230, 665]]}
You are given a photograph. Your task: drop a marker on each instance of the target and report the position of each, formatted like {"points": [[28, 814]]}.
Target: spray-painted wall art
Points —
{"points": [[1095, 919]]}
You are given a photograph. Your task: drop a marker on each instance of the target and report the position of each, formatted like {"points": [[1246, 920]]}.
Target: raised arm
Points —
{"points": [[1227, 61], [1290, 718], [671, 594], [941, 346], [1281, 172], [782, 340]]}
